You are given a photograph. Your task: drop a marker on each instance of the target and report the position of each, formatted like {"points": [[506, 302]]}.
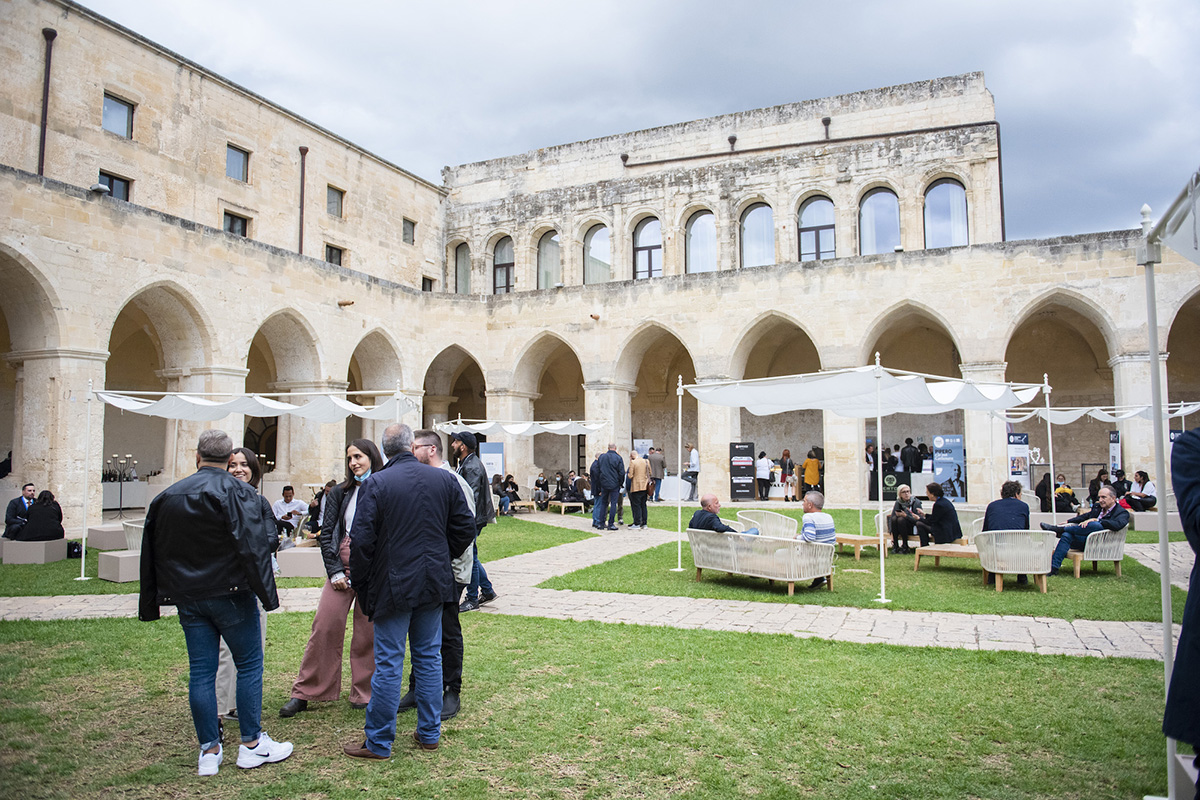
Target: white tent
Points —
{"points": [[859, 392], [520, 428]]}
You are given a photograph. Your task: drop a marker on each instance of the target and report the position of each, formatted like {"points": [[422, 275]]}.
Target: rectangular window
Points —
{"points": [[117, 117], [333, 201], [333, 254], [238, 226], [426, 284], [237, 164], [117, 187], [410, 232]]}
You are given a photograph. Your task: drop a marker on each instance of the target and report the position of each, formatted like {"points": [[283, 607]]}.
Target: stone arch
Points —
{"points": [[633, 349], [534, 359], [904, 316], [283, 353], [758, 330], [183, 331], [690, 210], [29, 301], [651, 361], [1183, 365], [373, 366], [940, 172], [581, 228], [455, 385], [1079, 306], [549, 369], [293, 345]]}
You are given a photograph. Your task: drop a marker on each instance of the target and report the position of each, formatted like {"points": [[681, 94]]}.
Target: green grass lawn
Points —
{"points": [[555, 709], [954, 586], [509, 537]]}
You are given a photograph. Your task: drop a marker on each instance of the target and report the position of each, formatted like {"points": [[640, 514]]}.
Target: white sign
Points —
{"points": [[1018, 459]]}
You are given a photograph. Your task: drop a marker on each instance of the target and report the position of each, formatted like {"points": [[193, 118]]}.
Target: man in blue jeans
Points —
{"points": [[1107, 514], [464, 444], [206, 550], [610, 474]]}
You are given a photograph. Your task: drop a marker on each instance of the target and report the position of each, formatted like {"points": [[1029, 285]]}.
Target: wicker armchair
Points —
{"points": [[775, 559], [769, 523], [1015, 553], [133, 533], [1101, 546]]}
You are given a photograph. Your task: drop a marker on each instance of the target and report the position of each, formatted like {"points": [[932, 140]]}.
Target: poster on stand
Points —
{"points": [[1114, 450], [950, 466], [643, 446], [1018, 459], [741, 471], [492, 456]]}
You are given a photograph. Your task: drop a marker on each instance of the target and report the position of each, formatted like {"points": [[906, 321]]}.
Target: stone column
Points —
{"points": [[912, 224], [607, 401], [718, 426], [511, 405], [51, 448], [1131, 387], [308, 451], [985, 439], [845, 470]]}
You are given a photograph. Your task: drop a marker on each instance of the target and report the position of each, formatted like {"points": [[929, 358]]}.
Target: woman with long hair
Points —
{"points": [[1043, 492], [1142, 497], [787, 474], [44, 520], [320, 677]]}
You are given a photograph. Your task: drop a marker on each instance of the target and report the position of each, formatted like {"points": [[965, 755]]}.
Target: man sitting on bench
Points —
{"points": [[289, 510], [706, 519], [817, 525]]}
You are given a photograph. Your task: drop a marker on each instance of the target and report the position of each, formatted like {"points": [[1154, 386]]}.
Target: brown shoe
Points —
{"points": [[361, 751], [423, 745]]}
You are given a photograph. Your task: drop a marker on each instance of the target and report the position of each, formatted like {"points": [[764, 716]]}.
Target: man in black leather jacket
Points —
{"points": [[473, 472], [206, 550]]}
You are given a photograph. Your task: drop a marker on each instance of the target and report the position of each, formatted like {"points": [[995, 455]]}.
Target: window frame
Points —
{"points": [[331, 192], [966, 209], [225, 221], [331, 249], [128, 132], [230, 149], [688, 266], [878, 190], [648, 250], [508, 268], [459, 288], [588, 238], [428, 284], [550, 235], [113, 179], [750, 209], [408, 231], [816, 230]]}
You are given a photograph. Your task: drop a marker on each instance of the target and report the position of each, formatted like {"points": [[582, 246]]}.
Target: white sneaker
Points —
{"points": [[267, 751], [209, 762]]}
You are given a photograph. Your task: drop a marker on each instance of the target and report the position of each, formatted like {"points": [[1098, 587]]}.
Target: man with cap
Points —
{"points": [[472, 471]]}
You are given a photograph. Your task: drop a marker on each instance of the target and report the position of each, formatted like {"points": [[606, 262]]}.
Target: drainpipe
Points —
{"points": [[48, 34], [303, 157]]}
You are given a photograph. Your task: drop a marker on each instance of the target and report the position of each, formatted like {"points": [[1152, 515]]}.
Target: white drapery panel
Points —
{"points": [[490, 427], [1065, 416], [862, 391], [323, 408]]}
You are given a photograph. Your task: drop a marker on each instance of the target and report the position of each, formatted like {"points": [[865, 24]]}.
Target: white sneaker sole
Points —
{"points": [[255, 760]]}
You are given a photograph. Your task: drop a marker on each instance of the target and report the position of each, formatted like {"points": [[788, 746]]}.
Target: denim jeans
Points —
{"points": [[1073, 536], [233, 617], [658, 482], [423, 628], [479, 577], [598, 509], [505, 503], [609, 501]]}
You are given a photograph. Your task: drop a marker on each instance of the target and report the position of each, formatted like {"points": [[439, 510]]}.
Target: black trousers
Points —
{"points": [[1141, 503], [452, 648], [764, 488], [903, 528], [637, 501]]}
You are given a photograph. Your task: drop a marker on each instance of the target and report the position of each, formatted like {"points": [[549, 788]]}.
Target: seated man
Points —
{"points": [[1009, 513], [17, 513], [817, 526], [1107, 514], [1120, 485], [289, 510], [706, 519]]}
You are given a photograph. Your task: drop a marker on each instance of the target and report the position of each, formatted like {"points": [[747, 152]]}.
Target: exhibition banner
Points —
{"points": [[1114, 450], [492, 456], [950, 466], [1018, 459]]}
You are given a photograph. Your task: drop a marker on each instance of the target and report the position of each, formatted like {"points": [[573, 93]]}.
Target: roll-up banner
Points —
{"points": [[950, 466], [1018, 459]]}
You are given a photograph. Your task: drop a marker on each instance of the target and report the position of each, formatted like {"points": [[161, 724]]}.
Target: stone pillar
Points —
{"points": [[51, 448], [1131, 387], [308, 451], [845, 470], [605, 401], [512, 406], [985, 439], [435, 411], [912, 226], [718, 426]]}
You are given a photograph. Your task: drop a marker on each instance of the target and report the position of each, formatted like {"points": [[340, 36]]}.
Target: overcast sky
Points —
{"points": [[1097, 100]]}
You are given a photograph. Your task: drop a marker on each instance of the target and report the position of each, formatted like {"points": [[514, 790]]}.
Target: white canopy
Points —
{"points": [[862, 391], [520, 428], [1065, 416], [324, 408]]}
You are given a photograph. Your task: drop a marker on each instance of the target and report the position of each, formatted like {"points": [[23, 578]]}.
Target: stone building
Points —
{"points": [[240, 247]]}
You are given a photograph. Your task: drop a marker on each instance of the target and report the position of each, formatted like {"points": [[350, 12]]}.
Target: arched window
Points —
{"points": [[816, 229], [878, 222], [647, 249], [945, 214], [597, 255], [758, 236], [502, 266], [462, 269], [549, 261], [701, 251]]}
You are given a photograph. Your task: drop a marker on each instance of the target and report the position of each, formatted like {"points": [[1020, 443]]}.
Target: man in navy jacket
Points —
{"points": [[609, 477], [410, 522], [1107, 514]]}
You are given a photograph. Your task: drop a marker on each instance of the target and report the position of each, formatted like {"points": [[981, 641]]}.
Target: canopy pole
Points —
{"points": [[678, 494], [992, 452], [87, 483], [861, 500], [175, 451], [1050, 447], [880, 520]]}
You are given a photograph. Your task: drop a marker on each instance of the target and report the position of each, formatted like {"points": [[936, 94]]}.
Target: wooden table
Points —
{"points": [[940, 551], [563, 505], [528, 505], [858, 543]]}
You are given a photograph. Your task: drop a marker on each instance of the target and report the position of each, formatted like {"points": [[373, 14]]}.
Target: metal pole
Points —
{"points": [[678, 494], [879, 524], [87, 483], [1050, 447], [1160, 469]]}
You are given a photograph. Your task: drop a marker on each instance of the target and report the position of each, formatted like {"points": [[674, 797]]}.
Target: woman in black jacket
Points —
{"points": [[44, 520], [320, 675], [1043, 492]]}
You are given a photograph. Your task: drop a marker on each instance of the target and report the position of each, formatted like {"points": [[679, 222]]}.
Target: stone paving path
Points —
{"points": [[516, 579]]}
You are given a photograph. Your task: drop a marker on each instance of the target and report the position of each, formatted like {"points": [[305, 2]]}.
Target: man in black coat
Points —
{"points": [[607, 481], [1181, 720], [464, 444], [1009, 513], [410, 522], [17, 511], [910, 456]]}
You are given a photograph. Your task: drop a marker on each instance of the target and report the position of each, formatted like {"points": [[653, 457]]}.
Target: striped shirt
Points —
{"points": [[818, 527]]}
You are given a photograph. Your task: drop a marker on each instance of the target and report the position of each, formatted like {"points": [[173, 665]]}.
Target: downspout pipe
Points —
{"points": [[48, 34], [303, 159]]}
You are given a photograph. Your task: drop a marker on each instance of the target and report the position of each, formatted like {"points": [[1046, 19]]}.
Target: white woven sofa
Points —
{"points": [[1101, 546], [770, 557], [769, 523], [1015, 553]]}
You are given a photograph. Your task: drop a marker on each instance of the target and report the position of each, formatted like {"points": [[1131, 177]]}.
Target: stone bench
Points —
{"points": [[34, 552], [109, 536], [120, 566], [301, 562], [1148, 521]]}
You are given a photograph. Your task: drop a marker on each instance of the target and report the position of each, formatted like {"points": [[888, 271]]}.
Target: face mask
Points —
{"points": [[363, 477]]}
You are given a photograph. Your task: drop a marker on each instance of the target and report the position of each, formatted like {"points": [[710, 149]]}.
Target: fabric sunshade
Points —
{"points": [[321, 408], [488, 428], [1064, 416]]}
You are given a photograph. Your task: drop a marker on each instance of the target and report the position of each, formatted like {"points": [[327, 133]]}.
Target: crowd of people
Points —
{"points": [[1137, 495]]}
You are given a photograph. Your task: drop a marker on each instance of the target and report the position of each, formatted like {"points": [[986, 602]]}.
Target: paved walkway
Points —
{"points": [[517, 577]]}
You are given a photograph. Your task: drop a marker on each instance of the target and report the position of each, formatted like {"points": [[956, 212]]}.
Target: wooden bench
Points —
{"points": [[788, 560], [940, 551], [34, 552], [527, 505], [563, 505], [858, 542]]}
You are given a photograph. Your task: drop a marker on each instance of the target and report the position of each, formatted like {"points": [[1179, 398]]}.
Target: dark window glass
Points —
{"points": [[334, 254], [410, 232], [503, 265], [946, 214], [647, 249], [117, 117], [239, 226], [237, 164], [117, 187], [878, 222], [426, 284], [333, 201], [816, 229]]}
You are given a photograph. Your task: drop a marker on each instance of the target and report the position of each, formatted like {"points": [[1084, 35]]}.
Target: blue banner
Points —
{"points": [[950, 466]]}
